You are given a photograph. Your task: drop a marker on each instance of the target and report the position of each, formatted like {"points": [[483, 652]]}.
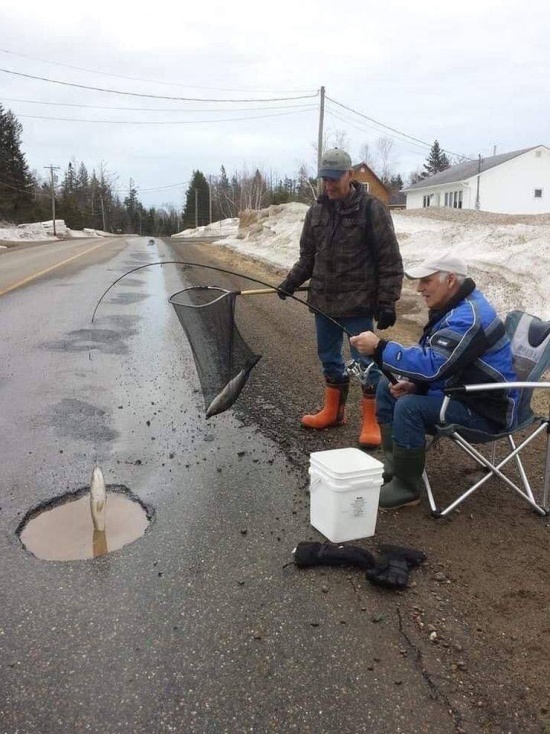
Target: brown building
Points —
{"points": [[369, 179]]}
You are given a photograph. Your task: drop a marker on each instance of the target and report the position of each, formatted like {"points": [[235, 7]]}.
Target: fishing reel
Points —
{"points": [[354, 368]]}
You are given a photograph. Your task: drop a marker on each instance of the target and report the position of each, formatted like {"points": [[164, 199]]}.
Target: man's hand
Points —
{"points": [[385, 316], [287, 287], [366, 342], [402, 387]]}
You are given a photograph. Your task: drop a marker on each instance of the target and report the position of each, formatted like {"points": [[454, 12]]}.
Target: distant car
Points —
{"points": [[151, 242]]}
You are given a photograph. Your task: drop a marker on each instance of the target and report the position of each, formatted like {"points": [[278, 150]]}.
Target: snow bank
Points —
{"points": [[216, 229], [43, 231], [509, 256]]}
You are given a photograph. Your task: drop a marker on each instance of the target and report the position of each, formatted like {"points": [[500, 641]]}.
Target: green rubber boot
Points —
{"points": [[387, 448], [404, 489]]}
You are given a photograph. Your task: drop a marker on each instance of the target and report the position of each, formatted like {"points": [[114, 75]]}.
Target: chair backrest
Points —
{"points": [[530, 337]]}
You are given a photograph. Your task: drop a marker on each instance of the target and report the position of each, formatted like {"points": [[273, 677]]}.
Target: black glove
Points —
{"points": [[385, 316], [393, 565], [288, 287], [331, 554]]}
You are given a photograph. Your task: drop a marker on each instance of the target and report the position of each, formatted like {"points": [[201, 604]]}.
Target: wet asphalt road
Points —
{"points": [[202, 625]]}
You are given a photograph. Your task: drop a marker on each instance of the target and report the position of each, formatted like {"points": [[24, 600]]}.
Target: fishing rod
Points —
{"points": [[387, 374]]}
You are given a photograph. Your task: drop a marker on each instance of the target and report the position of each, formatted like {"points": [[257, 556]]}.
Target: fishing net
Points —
{"points": [[222, 357]]}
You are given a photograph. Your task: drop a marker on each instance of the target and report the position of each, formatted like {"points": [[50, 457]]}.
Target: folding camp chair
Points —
{"points": [[530, 338]]}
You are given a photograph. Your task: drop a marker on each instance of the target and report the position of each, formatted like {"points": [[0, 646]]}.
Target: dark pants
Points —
{"points": [[413, 416], [330, 340]]}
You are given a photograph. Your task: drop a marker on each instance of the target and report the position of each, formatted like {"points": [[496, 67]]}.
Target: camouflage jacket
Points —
{"points": [[349, 251]]}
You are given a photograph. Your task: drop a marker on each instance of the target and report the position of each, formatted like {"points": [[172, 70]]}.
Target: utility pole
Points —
{"points": [[209, 199], [478, 177], [196, 208], [102, 212], [51, 170], [320, 139]]}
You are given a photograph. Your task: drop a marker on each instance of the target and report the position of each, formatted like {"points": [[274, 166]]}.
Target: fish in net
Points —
{"points": [[222, 357]]}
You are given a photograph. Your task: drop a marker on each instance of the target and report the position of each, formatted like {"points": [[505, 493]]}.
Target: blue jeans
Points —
{"points": [[330, 340], [412, 416]]}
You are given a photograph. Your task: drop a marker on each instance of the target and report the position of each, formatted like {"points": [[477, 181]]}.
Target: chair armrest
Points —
{"points": [[463, 389]]}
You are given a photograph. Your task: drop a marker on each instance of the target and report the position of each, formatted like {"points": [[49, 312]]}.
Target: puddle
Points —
{"points": [[63, 530]]}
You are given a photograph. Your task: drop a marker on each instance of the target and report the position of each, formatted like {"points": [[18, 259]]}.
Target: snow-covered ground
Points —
{"points": [[43, 231], [509, 256]]}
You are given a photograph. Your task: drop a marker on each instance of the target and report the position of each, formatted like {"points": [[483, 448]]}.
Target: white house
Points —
{"points": [[510, 183]]}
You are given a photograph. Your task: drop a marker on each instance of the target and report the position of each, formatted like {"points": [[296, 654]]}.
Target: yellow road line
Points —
{"points": [[47, 270]]}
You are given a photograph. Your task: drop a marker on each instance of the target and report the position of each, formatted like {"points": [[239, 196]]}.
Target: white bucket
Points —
{"points": [[344, 493]]}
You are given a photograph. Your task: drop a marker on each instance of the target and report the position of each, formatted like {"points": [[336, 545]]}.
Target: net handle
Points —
{"points": [[263, 291]]}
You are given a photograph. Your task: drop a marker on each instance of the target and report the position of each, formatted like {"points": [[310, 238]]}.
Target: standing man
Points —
{"points": [[349, 251]]}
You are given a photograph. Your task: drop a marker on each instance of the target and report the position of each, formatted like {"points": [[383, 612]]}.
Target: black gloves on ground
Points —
{"points": [[390, 569], [288, 287], [385, 316], [329, 554]]}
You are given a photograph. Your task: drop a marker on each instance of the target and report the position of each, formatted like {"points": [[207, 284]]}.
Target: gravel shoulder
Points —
{"points": [[476, 615]]}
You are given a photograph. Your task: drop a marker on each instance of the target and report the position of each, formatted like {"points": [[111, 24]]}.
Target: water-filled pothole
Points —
{"points": [[63, 530]]}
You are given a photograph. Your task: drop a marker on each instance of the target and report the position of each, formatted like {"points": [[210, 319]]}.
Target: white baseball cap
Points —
{"points": [[445, 262]]}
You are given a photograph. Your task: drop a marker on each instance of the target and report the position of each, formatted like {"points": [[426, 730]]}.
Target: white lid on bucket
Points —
{"points": [[346, 462]]}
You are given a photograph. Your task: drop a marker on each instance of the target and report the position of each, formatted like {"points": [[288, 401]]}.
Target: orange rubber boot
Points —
{"points": [[334, 412], [370, 437]]}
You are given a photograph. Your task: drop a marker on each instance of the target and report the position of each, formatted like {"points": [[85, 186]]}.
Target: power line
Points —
{"points": [[132, 78], [405, 144], [31, 192], [169, 122], [145, 109], [153, 96], [387, 127]]}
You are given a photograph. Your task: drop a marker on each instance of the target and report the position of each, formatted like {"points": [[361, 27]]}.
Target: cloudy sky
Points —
{"points": [[202, 85]]}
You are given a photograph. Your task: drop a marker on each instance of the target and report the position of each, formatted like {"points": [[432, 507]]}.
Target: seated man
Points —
{"points": [[464, 342]]}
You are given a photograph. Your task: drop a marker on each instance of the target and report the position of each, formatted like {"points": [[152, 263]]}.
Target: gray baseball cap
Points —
{"points": [[334, 163], [446, 262]]}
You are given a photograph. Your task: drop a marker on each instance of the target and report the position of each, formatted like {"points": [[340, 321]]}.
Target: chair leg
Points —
{"points": [[492, 470], [546, 490]]}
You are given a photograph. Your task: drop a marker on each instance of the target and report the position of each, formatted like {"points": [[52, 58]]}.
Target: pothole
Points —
{"points": [[63, 530]]}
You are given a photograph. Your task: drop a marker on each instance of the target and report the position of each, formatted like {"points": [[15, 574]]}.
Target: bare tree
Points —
{"points": [[365, 155], [385, 162]]}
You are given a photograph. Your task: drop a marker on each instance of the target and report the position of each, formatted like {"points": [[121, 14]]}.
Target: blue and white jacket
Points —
{"points": [[463, 344]]}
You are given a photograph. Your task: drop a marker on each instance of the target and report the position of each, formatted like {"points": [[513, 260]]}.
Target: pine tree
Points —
{"points": [[196, 210], [16, 183], [133, 213], [437, 161], [396, 183], [68, 208]]}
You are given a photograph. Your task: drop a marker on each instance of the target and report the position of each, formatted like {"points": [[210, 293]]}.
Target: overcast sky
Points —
{"points": [[473, 75]]}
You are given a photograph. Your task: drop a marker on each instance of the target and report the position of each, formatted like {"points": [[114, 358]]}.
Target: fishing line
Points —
{"points": [[221, 270], [240, 275]]}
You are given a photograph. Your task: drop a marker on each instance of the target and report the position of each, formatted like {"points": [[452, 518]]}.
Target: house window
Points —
{"points": [[453, 199], [538, 193], [538, 153], [426, 200], [366, 186]]}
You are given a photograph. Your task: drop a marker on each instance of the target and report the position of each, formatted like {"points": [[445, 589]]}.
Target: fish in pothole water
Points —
{"points": [[98, 499]]}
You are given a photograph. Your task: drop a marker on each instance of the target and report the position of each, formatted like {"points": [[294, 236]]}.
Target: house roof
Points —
{"points": [[467, 169], [358, 166], [397, 198]]}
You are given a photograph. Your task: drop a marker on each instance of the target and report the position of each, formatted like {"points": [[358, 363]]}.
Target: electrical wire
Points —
{"points": [[154, 96], [399, 132], [144, 109], [169, 122], [137, 79], [405, 145]]}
